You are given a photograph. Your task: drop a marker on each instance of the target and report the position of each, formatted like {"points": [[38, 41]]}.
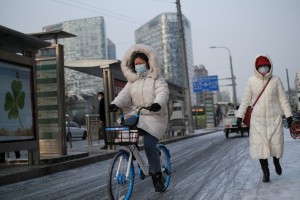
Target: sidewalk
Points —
{"points": [[16, 170]]}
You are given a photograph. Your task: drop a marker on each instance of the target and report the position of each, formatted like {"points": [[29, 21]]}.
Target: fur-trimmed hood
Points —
{"points": [[127, 70]]}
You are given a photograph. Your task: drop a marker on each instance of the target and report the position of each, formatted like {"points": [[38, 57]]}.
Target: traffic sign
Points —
{"points": [[205, 83]]}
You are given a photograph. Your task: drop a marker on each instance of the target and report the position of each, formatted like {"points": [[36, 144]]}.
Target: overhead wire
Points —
{"points": [[124, 18], [91, 8], [164, 1], [118, 14]]}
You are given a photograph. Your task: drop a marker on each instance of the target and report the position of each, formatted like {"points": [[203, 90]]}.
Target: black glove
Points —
{"points": [[239, 122], [289, 121], [155, 107], [113, 108]]}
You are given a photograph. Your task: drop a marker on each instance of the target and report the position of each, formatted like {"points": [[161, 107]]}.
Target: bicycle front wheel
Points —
{"points": [[120, 185], [165, 164]]}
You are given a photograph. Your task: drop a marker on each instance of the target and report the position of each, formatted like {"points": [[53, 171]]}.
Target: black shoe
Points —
{"points": [[104, 147], [277, 166], [158, 182]]}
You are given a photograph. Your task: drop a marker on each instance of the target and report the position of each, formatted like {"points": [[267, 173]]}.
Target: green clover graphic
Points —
{"points": [[14, 101]]}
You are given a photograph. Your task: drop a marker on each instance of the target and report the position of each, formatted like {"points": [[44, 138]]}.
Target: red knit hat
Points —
{"points": [[262, 60]]}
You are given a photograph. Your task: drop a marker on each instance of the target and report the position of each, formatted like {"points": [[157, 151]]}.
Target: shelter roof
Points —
{"points": [[17, 42], [53, 35], [95, 67]]}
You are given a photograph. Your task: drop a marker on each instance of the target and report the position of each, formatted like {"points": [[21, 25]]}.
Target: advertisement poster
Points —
{"points": [[16, 112]]}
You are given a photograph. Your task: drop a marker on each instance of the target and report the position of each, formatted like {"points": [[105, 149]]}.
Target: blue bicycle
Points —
{"points": [[121, 173]]}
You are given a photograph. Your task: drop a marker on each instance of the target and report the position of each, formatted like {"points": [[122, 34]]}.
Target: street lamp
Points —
{"points": [[232, 76]]}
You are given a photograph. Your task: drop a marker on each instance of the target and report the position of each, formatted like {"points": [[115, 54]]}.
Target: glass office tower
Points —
{"points": [[90, 43], [161, 33]]}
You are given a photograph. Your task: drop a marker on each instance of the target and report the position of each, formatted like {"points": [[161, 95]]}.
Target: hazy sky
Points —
{"points": [[246, 27]]}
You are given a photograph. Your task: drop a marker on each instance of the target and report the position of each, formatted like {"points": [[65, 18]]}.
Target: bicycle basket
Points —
{"points": [[121, 136]]}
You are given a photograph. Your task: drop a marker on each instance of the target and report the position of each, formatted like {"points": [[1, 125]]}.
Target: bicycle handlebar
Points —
{"points": [[137, 116]]}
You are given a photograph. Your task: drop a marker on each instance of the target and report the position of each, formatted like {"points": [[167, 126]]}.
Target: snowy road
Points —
{"points": [[205, 167]]}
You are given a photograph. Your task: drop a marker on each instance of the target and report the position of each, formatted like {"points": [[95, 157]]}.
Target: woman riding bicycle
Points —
{"points": [[146, 87]]}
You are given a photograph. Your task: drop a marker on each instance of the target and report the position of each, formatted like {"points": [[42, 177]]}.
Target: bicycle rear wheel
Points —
{"points": [[165, 164], [120, 186]]}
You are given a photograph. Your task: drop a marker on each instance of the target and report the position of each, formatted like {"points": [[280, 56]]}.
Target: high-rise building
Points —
{"points": [[90, 43], [111, 50], [199, 71], [221, 96], [162, 34]]}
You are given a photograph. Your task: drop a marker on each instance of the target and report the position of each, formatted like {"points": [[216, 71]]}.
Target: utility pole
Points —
{"points": [[185, 69], [233, 80], [232, 76], [288, 82]]}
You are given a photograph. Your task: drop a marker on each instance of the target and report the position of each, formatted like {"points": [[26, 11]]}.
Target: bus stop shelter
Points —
{"points": [[17, 63], [110, 72]]}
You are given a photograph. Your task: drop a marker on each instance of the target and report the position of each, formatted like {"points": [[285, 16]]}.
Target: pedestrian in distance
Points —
{"points": [[266, 137], [102, 115], [146, 87], [2, 156]]}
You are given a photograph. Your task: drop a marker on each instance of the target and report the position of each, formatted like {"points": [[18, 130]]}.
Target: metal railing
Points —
{"points": [[93, 125]]}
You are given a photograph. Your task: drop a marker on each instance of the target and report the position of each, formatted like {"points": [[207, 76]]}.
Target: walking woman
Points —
{"points": [[266, 127]]}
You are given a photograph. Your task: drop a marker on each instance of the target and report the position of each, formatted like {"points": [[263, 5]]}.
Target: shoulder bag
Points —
{"points": [[248, 114]]}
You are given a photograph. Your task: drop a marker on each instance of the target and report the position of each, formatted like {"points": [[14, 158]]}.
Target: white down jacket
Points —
{"points": [[144, 91], [266, 130]]}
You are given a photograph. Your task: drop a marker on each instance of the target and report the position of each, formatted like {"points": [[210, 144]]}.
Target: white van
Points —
{"points": [[230, 124]]}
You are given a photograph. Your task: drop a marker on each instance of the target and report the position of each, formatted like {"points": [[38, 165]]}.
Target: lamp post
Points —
{"points": [[232, 76]]}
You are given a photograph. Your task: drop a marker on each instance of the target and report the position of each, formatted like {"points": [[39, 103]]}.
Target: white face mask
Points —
{"points": [[99, 98], [141, 68], [263, 69]]}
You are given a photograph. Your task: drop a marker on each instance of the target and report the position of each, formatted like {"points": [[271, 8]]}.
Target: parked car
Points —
{"points": [[76, 131], [230, 125]]}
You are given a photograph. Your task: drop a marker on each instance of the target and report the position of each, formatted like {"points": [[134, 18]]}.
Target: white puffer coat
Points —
{"points": [[144, 91], [266, 129]]}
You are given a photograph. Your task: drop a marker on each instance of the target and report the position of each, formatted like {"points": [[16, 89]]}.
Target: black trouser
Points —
{"points": [[152, 153]]}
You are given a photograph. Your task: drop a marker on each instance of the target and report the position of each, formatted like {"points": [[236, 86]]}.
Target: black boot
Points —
{"points": [[265, 167], [158, 182], [277, 166]]}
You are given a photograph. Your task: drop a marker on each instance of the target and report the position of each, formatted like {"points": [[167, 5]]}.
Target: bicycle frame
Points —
{"points": [[121, 173], [133, 151]]}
